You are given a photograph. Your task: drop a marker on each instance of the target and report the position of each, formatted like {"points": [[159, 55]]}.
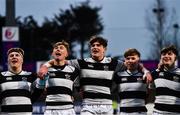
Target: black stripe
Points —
{"points": [[27, 78], [66, 75], [58, 90], [16, 92], [167, 91], [167, 107], [133, 109], [132, 94], [16, 108], [132, 79], [98, 66], [167, 75], [58, 103], [95, 81], [96, 95]]}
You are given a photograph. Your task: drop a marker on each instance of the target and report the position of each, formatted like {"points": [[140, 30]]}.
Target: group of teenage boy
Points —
{"points": [[93, 77]]}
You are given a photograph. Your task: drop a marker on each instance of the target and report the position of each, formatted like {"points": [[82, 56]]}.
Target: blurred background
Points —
{"points": [[34, 25]]}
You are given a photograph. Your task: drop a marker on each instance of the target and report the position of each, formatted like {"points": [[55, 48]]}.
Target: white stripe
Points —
{"points": [[132, 87], [105, 60], [60, 82], [97, 101], [100, 74], [15, 85], [96, 89], [167, 83], [59, 97], [16, 100], [167, 100], [132, 102], [67, 68]]}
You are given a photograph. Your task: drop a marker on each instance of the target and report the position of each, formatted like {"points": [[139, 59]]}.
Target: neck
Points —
{"points": [[169, 67], [15, 70], [132, 69], [59, 62], [98, 59]]}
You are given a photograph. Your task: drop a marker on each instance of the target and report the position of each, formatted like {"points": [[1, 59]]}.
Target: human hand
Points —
{"points": [[148, 77], [42, 71]]}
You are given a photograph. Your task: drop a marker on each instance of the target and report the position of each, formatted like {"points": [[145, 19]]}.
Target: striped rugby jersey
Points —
{"points": [[16, 91], [167, 84], [132, 91], [59, 85], [96, 79]]}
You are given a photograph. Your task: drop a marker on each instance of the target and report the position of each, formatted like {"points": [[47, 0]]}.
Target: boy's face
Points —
{"points": [[60, 52], [97, 51], [132, 62], [15, 59], [168, 58]]}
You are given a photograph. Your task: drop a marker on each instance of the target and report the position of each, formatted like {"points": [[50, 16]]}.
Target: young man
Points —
{"points": [[16, 86], [59, 82], [96, 75], [167, 83], [132, 86]]}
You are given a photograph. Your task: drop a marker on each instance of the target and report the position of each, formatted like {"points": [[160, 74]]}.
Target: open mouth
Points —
{"points": [[95, 51], [14, 61], [58, 54]]}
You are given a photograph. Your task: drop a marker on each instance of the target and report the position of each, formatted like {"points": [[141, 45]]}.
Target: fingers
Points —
{"points": [[42, 71], [160, 65], [148, 78]]}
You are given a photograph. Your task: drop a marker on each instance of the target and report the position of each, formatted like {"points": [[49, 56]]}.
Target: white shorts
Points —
{"points": [[164, 113], [133, 113], [60, 112], [95, 109]]}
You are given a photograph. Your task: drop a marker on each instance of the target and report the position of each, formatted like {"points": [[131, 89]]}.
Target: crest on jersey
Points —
{"points": [[176, 78], [124, 79], [90, 66], [161, 74], [68, 76], [106, 67], [8, 78], [139, 79], [24, 79]]}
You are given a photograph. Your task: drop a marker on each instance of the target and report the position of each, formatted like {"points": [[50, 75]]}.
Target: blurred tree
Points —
{"points": [[76, 24], [2, 23], [160, 23], [79, 23], [31, 40]]}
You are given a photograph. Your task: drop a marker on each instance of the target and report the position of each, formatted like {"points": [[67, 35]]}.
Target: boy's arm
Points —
{"points": [[147, 73], [44, 68]]}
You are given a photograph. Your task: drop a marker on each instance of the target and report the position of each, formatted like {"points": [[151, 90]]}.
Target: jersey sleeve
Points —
{"points": [[120, 66], [74, 63]]}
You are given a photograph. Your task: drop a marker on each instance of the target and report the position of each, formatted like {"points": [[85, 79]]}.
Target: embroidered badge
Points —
{"points": [[106, 68], [68, 76], [8, 78]]}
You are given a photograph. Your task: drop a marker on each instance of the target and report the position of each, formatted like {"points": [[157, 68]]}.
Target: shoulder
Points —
{"points": [[26, 73], [177, 71]]}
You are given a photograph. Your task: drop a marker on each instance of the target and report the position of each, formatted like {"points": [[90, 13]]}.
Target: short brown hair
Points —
{"points": [[99, 39], [18, 50], [170, 48], [131, 51], [64, 43]]}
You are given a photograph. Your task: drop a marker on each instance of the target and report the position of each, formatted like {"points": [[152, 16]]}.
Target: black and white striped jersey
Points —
{"points": [[15, 91], [96, 79], [167, 84], [59, 85], [132, 91]]}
